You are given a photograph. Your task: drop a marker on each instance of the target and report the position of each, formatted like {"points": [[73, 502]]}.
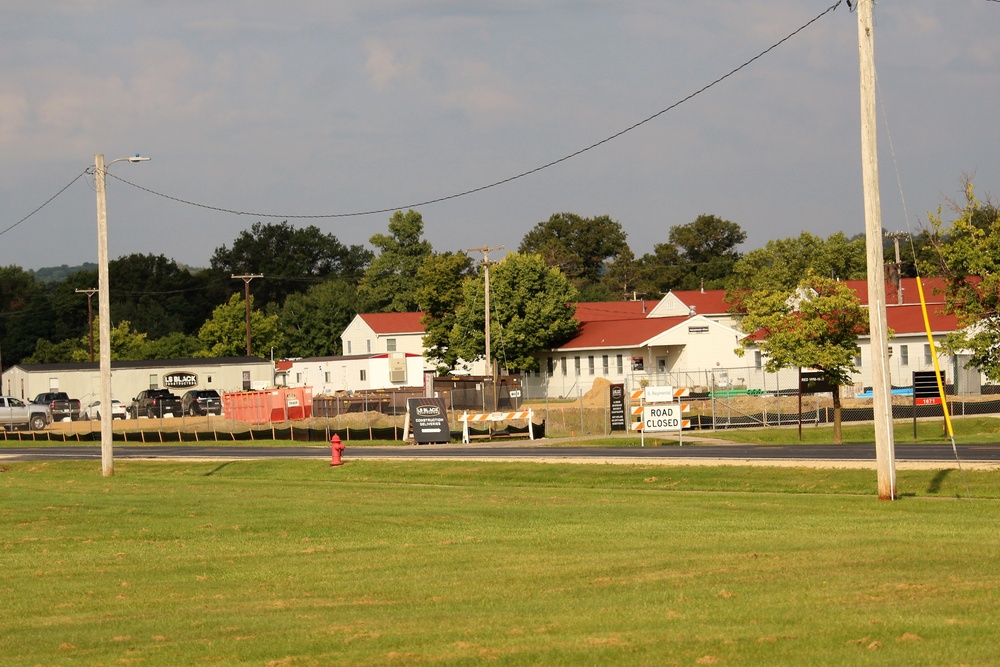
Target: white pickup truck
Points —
{"points": [[15, 413]]}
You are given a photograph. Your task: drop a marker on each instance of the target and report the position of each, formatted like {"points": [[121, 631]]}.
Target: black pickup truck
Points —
{"points": [[60, 405], [154, 403]]}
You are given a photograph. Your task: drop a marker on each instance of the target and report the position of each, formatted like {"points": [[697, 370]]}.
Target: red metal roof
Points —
{"points": [[620, 333], [907, 319], [707, 302], [601, 311], [394, 323], [933, 290]]}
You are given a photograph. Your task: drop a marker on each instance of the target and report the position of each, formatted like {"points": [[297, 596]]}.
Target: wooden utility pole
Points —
{"points": [[246, 297], [486, 276], [885, 458], [90, 316]]}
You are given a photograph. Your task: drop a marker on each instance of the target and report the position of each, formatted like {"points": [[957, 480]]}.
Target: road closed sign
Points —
{"points": [[661, 418]]}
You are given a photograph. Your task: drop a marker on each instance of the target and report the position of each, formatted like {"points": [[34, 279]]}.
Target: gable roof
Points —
{"points": [[908, 319], [601, 311], [704, 302], [394, 323], [620, 333]]}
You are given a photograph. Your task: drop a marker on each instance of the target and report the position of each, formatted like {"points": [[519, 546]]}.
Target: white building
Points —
{"points": [[328, 375], [82, 380]]}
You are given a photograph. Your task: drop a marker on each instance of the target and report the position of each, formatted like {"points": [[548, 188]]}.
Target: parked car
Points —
{"points": [[60, 405], [93, 411], [155, 403], [15, 414], [201, 402]]}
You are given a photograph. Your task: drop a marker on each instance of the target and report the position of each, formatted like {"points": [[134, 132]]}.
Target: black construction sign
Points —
{"points": [[925, 388], [428, 419], [618, 405], [814, 382]]}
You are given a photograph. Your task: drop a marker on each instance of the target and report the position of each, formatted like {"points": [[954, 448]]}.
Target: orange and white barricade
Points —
{"points": [[493, 417]]}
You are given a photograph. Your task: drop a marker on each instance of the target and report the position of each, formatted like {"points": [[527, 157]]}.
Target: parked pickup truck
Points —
{"points": [[15, 413], [60, 405], [155, 403]]}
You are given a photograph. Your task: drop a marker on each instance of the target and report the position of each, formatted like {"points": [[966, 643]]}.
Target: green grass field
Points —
{"points": [[374, 563]]}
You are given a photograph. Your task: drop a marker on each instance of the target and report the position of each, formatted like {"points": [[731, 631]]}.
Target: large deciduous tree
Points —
{"points": [[531, 309], [579, 247], [224, 334], [968, 256], [313, 322], [390, 282], [815, 325], [782, 263], [439, 295], [156, 295], [290, 259]]}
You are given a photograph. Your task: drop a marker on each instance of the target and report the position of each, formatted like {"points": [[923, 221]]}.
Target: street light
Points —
{"points": [[104, 307]]}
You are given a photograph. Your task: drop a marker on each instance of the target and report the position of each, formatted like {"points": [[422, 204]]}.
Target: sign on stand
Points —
{"points": [[617, 402], [427, 421], [659, 411]]}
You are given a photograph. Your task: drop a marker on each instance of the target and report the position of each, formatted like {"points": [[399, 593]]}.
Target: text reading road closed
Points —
{"points": [[661, 418]]}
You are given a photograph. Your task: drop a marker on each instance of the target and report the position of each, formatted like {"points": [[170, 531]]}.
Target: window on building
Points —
{"points": [[369, 345], [154, 381], [348, 347], [637, 364], [326, 376], [619, 364], [604, 365], [756, 359], [364, 375], [562, 364], [298, 378], [551, 366], [576, 365], [904, 356], [390, 344], [857, 361], [590, 364], [927, 355]]}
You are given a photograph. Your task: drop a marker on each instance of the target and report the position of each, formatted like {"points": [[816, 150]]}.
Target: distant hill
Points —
{"points": [[55, 274]]}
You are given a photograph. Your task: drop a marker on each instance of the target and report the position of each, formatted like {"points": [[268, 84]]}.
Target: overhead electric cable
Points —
{"points": [[47, 201], [504, 181]]}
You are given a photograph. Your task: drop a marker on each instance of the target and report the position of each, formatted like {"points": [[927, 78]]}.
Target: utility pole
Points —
{"points": [[90, 316], [885, 458], [486, 276], [246, 296], [895, 236]]}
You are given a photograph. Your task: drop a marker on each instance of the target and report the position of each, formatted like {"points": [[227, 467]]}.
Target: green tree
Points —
{"points": [[390, 282], [47, 352], [157, 295], [968, 257], [314, 321], [439, 295], [290, 259], [225, 333], [815, 325], [781, 263], [127, 344], [26, 314], [708, 247], [579, 247], [176, 345], [531, 309]]}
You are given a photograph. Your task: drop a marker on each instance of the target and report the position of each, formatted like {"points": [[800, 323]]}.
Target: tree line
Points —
{"points": [[314, 285]]}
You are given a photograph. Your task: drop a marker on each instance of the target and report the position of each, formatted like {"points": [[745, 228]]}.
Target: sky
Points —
{"points": [[319, 108]]}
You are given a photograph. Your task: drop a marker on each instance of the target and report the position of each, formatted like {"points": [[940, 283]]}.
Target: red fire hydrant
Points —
{"points": [[336, 447]]}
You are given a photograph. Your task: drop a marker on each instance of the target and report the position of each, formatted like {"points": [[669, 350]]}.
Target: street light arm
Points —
{"points": [[131, 158]]}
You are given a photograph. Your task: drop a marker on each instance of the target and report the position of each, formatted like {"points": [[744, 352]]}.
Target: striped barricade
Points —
{"points": [[468, 417]]}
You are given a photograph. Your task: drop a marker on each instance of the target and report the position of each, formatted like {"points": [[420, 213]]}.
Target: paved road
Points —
{"points": [[761, 453]]}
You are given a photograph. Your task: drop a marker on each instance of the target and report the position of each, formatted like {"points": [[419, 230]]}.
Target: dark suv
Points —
{"points": [[201, 402], [155, 403]]}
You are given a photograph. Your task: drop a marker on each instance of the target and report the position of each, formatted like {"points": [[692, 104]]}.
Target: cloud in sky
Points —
{"points": [[316, 108]]}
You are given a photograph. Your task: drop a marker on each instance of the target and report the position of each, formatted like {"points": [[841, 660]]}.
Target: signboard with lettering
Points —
{"points": [[428, 420], [661, 418], [180, 379], [658, 394], [925, 388], [814, 382], [617, 403]]}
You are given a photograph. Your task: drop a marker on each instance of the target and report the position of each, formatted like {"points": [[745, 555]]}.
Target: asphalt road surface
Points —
{"points": [[692, 453]]}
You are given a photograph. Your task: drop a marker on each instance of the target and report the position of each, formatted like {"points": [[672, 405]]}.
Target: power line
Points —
{"points": [[504, 181], [47, 201]]}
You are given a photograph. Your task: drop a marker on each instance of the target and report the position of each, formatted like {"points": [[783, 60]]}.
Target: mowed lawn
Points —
{"points": [[381, 563]]}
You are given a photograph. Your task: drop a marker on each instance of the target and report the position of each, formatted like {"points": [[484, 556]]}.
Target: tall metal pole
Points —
{"points": [[104, 315], [246, 295], [884, 447]]}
